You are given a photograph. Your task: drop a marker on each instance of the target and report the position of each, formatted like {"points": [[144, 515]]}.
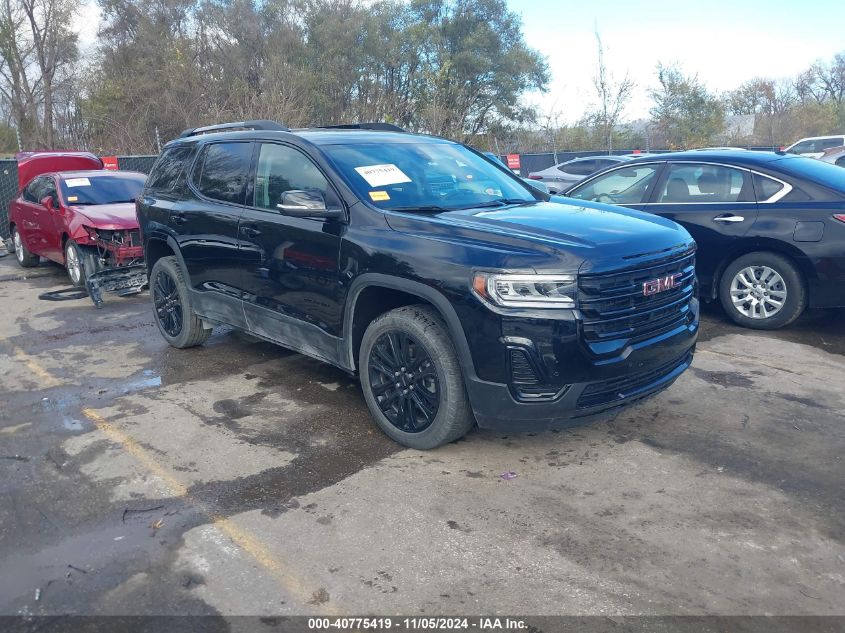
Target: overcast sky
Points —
{"points": [[724, 41]]}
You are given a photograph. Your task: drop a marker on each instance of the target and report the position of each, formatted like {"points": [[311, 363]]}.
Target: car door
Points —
{"points": [[50, 221], [31, 213], [205, 226], [291, 279], [715, 203]]}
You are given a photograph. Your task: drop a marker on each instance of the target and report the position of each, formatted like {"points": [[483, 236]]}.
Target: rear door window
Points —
{"points": [[579, 168], [827, 143], [695, 183], [221, 171]]}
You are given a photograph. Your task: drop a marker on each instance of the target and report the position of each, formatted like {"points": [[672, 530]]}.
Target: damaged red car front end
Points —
{"points": [[86, 221]]}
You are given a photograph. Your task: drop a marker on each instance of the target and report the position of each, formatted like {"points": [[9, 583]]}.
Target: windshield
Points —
{"points": [[425, 176], [106, 189]]}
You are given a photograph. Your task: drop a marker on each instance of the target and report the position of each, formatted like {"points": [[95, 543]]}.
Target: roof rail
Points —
{"points": [[262, 124], [384, 127]]}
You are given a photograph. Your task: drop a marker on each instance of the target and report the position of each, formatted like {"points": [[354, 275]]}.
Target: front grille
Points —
{"points": [[617, 389], [615, 307], [135, 238]]}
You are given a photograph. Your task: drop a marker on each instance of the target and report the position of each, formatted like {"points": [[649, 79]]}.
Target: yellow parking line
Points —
{"points": [[241, 537], [47, 379], [248, 542], [175, 487]]}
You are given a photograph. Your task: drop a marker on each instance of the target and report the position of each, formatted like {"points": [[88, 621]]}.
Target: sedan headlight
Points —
{"points": [[526, 291]]}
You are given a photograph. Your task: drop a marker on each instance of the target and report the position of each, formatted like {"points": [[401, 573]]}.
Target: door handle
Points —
{"points": [[178, 218], [250, 231], [729, 218]]}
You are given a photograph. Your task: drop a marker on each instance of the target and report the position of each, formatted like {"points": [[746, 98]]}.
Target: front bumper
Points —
{"points": [[585, 389]]}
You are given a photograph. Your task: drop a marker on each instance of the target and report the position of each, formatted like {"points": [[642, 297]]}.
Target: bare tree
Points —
{"points": [[612, 95], [551, 122], [18, 89]]}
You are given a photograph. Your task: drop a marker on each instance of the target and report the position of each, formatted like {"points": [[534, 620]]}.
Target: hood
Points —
{"points": [[599, 237], [111, 217]]}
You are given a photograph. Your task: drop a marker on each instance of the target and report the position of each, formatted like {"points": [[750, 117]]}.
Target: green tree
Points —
{"points": [[477, 66], [685, 114]]}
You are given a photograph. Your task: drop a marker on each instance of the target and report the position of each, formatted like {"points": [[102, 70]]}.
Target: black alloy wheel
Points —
{"points": [[404, 381], [168, 305]]}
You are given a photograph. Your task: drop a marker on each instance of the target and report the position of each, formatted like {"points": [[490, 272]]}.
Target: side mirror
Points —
{"points": [[47, 202], [306, 203]]}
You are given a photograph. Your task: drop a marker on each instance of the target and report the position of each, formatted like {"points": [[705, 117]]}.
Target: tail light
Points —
{"points": [[839, 216], [533, 177]]}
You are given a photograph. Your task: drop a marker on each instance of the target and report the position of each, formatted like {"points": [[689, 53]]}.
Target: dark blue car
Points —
{"points": [[770, 228]]}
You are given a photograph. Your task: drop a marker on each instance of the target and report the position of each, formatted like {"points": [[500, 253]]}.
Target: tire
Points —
{"points": [[753, 284], [22, 254], [172, 309], [437, 411], [78, 263]]}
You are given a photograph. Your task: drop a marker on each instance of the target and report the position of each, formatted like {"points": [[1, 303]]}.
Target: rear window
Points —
{"points": [[817, 171], [105, 189]]}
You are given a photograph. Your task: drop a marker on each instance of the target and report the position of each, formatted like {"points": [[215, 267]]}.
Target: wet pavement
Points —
{"points": [[241, 478]]}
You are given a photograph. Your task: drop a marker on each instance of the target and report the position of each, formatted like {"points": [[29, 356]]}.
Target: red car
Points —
{"points": [[84, 220]]}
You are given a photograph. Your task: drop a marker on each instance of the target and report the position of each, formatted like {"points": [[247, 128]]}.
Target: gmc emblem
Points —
{"points": [[661, 284]]}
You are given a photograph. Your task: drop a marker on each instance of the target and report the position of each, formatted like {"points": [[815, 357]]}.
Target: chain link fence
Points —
{"points": [[142, 163], [8, 191]]}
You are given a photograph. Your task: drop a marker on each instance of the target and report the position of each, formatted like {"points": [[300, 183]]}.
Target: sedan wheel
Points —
{"points": [[73, 263], [24, 257], [758, 292], [763, 291], [18, 247]]}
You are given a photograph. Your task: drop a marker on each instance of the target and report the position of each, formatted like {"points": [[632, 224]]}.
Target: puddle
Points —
{"points": [[72, 424], [148, 380]]}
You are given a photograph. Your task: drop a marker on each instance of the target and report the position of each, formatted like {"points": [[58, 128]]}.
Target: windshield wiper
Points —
{"points": [[502, 202], [425, 208]]}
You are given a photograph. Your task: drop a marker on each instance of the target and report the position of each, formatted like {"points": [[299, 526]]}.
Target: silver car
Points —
{"points": [[537, 184], [564, 175], [834, 156]]}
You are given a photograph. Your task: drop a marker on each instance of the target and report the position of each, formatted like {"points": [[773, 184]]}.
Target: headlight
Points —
{"points": [[526, 291]]}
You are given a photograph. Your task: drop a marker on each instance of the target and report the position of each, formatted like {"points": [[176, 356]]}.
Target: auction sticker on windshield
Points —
{"points": [[381, 175], [77, 182]]}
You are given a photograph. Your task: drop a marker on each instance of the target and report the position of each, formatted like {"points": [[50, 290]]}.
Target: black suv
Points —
{"points": [[454, 290]]}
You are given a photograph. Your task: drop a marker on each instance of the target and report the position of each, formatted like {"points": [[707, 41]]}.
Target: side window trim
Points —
{"points": [[253, 172], [780, 194], [200, 157]]}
